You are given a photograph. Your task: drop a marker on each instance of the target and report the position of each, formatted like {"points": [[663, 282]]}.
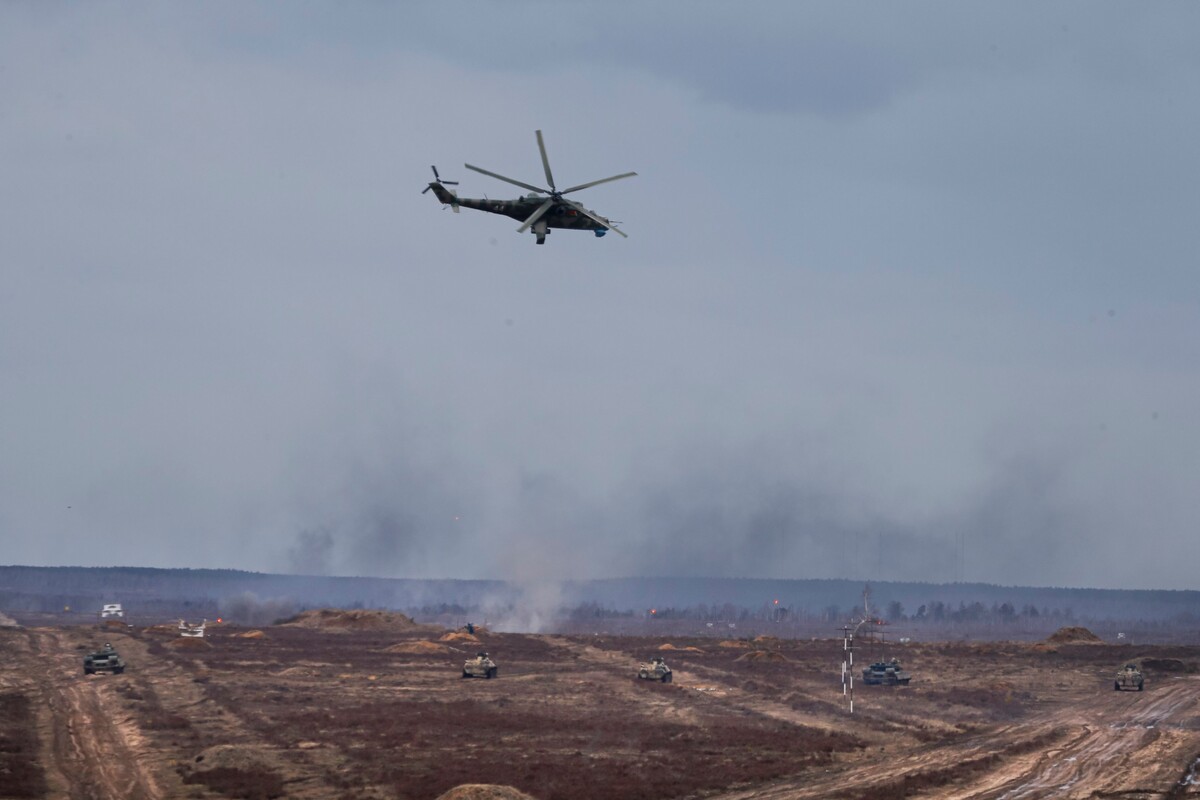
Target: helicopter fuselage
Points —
{"points": [[559, 215]]}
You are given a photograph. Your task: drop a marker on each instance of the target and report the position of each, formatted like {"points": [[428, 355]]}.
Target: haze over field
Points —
{"points": [[900, 280]]}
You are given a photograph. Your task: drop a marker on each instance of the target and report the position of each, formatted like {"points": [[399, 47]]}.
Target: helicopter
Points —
{"points": [[540, 210]]}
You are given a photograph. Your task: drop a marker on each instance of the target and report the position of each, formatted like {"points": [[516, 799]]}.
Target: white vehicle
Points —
{"points": [[112, 611], [192, 631]]}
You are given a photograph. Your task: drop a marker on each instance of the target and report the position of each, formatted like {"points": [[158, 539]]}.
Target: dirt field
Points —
{"points": [[342, 712]]}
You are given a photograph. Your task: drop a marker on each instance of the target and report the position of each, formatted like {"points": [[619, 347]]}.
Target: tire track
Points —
{"points": [[1110, 745], [1105, 755], [92, 758]]}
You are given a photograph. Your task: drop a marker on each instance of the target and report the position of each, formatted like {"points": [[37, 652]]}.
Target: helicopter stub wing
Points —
{"points": [[536, 215]]}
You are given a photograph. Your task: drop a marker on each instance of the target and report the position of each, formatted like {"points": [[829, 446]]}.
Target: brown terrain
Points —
{"points": [[371, 705]]}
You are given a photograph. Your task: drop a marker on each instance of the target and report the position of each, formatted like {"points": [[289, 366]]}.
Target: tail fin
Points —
{"points": [[447, 196]]}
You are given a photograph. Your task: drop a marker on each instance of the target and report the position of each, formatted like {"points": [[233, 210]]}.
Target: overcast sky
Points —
{"points": [[900, 279]]}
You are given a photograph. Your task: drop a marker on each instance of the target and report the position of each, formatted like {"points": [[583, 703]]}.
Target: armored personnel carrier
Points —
{"points": [[105, 659], [656, 670], [479, 667], [1130, 677], [886, 673]]}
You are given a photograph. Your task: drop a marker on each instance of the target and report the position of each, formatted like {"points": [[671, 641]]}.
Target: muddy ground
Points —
{"points": [[313, 713]]}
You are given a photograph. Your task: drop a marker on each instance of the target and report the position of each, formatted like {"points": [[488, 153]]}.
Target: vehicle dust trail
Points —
{"points": [[91, 758]]}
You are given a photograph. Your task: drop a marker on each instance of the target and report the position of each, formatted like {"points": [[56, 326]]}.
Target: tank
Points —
{"points": [[656, 670], [105, 659], [481, 666], [1129, 677], [886, 673]]}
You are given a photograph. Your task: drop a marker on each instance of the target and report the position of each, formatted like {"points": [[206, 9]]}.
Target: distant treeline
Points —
{"points": [[150, 592]]}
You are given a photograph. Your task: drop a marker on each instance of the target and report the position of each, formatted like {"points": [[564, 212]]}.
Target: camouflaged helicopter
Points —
{"points": [[538, 213]]}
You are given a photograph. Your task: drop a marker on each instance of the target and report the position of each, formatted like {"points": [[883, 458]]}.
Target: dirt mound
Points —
{"points": [[250, 635], [1164, 664], [459, 636], [760, 656], [238, 757], [1074, 635], [114, 623], [484, 791], [734, 644], [187, 643], [337, 619], [669, 646], [162, 630], [418, 648], [765, 639]]}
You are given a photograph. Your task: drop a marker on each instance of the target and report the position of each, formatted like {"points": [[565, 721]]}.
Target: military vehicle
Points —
{"points": [[656, 670], [1130, 677], [886, 673], [104, 660], [479, 667], [541, 209]]}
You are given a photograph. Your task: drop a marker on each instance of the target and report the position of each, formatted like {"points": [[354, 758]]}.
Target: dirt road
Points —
{"points": [[93, 751], [1128, 745], [1121, 744]]}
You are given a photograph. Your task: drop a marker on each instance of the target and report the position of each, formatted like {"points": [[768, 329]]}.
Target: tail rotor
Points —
{"points": [[447, 196], [437, 180]]}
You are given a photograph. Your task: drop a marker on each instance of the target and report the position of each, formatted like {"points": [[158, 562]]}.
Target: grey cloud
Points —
{"points": [[842, 333]]}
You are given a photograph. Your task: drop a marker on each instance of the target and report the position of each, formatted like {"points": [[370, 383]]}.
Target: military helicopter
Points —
{"points": [[538, 213]]}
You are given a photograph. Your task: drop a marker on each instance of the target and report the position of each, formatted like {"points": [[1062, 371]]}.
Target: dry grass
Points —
{"points": [[336, 619], [20, 774], [761, 656], [419, 648], [240, 783], [255, 634], [188, 643], [564, 735]]}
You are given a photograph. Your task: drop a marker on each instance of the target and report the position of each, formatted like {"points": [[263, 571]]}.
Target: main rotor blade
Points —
{"points": [[595, 218], [508, 180], [597, 183], [535, 216], [545, 160]]}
